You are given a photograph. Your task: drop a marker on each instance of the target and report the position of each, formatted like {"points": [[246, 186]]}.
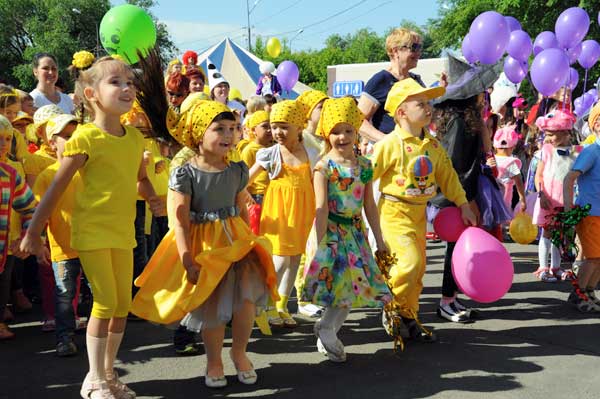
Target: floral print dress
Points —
{"points": [[343, 271]]}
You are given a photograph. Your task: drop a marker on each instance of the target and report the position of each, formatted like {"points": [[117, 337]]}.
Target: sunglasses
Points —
{"points": [[414, 48], [176, 95]]}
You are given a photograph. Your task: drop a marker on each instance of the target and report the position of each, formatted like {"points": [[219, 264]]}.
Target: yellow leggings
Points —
{"points": [[403, 226], [110, 273]]}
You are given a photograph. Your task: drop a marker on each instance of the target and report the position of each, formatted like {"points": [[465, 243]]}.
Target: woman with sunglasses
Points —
{"points": [[404, 48], [177, 89]]}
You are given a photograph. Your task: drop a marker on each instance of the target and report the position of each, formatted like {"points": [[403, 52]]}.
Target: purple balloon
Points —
{"points": [[519, 45], [549, 71], [573, 78], [467, 50], [513, 23], [593, 93], [287, 75], [489, 36], [571, 26], [573, 53], [514, 70], [543, 41], [590, 52]]}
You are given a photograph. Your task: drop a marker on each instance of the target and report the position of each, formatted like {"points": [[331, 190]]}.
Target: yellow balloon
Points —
{"points": [[235, 93], [274, 47], [522, 230]]}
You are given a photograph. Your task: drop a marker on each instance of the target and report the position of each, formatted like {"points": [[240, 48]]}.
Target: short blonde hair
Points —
{"points": [[400, 37], [255, 103]]}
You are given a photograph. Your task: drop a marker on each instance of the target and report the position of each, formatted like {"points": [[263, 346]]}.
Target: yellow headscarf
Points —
{"points": [[338, 110], [189, 127], [288, 111], [257, 118], [309, 100], [191, 100]]}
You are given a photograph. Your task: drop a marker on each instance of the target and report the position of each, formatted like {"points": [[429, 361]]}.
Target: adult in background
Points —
{"points": [[45, 70], [404, 48]]}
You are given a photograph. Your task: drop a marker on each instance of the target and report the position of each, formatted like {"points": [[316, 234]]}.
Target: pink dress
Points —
{"points": [[508, 167], [557, 163]]}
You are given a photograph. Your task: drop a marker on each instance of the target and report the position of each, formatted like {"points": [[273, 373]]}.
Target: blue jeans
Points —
{"points": [[66, 274]]}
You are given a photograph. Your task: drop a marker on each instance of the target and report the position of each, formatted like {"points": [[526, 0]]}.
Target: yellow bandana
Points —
{"points": [[288, 111], [257, 118], [309, 100], [339, 110], [189, 127]]}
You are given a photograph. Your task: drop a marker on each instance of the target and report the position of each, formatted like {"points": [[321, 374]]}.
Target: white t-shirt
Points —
{"points": [[65, 103]]}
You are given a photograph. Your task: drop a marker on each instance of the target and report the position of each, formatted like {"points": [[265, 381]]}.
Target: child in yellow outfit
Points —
{"points": [[258, 124], [411, 164], [66, 265], [210, 268], [289, 205], [110, 158]]}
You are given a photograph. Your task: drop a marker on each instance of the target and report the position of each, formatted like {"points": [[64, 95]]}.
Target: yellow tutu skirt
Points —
{"points": [[288, 210], [165, 295]]}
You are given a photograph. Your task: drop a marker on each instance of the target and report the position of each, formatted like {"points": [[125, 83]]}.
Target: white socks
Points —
{"points": [[554, 257], [113, 343], [543, 251], [96, 350], [331, 322]]}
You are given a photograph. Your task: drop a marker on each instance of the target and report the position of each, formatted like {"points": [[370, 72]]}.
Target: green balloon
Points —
{"points": [[125, 29]]}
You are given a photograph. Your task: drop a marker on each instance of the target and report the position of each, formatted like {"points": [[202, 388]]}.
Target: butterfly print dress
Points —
{"points": [[343, 272]]}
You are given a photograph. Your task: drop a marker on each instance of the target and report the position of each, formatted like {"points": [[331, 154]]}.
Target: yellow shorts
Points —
{"points": [[588, 231]]}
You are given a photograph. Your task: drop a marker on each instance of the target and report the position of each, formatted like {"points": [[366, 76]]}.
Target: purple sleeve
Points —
{"points": [[259, 86], [276, 85]]}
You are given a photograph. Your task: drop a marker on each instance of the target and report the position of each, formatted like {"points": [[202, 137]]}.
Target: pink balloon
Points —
{"points": [[481, 266], [448, 224]]}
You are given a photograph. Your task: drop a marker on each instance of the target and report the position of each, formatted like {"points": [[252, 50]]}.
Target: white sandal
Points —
{"points": [[96, 390], [119, 389]]}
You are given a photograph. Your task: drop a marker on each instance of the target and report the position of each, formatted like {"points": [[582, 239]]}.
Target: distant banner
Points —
{"points": [[352, 88]]}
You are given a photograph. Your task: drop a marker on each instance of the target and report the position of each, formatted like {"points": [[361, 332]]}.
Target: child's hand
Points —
{"points": [[382, 248], [491, 162], [523, 204], [467, 215], [31, 245], [545, 202], [192, 272], [160, 167]]}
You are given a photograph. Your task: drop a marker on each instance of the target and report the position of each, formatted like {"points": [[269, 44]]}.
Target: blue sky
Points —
{"points": [[197, 25]]}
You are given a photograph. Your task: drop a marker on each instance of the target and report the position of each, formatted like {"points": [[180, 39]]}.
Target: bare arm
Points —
{"points": [[146, 191], [322, 214], [254, 171], [32, 242], [181, 205], [568, 184], [241, 200], [373, 217], [538, 181], [521, 191], [368, 108]]}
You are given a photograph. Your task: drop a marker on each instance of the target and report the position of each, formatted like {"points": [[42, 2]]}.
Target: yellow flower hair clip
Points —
{"points": [[83, 59], [12, 93]]}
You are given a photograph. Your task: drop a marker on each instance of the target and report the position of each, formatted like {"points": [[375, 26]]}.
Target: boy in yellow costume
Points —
{"points": [[411, 164]]}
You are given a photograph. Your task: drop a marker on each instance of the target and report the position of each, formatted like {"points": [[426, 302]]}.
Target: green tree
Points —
{"points": [[59, 27]]}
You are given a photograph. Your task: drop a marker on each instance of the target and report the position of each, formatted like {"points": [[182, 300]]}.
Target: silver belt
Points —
{"points": [[213, 216]]}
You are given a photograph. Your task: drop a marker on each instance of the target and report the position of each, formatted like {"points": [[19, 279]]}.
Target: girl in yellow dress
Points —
{"points": [[288, 208], [210, 268], [109, 158]]}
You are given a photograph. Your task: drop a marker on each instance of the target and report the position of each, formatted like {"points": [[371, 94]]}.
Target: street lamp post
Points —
{"points": [[97, 48], [295, 36], [249, 11]]}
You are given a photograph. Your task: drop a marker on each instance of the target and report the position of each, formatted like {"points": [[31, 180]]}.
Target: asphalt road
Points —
{"points": [[530, 344]]}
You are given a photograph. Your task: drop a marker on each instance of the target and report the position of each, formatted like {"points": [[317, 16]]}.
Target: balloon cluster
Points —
{"points": [[491, 34]]}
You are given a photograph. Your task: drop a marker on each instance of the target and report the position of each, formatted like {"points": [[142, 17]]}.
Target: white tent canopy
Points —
{"points": [[240, 68]]}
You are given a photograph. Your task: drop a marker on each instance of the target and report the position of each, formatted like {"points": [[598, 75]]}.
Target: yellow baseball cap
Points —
{"points": [[409, 87]]}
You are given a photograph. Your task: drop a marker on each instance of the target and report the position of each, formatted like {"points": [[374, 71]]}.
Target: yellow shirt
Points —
{"points": [[234, 155], [38, 161], [411, 169], [261, 182], [59, 224], [15, 229], [105, 209]]}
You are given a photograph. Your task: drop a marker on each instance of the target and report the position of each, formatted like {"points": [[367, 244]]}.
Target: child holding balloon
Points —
{"points": [[342, 273], [289, 204], [557, 158], [102, 221], [411, 164]]}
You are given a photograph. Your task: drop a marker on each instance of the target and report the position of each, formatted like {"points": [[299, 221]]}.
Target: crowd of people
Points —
{"points": [[181, 206]]}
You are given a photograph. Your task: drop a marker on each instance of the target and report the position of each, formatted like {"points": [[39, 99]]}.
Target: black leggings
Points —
{"points": [[449, 287]]}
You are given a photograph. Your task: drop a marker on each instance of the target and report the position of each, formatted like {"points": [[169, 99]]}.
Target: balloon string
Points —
{"points": [[585, 80]]}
